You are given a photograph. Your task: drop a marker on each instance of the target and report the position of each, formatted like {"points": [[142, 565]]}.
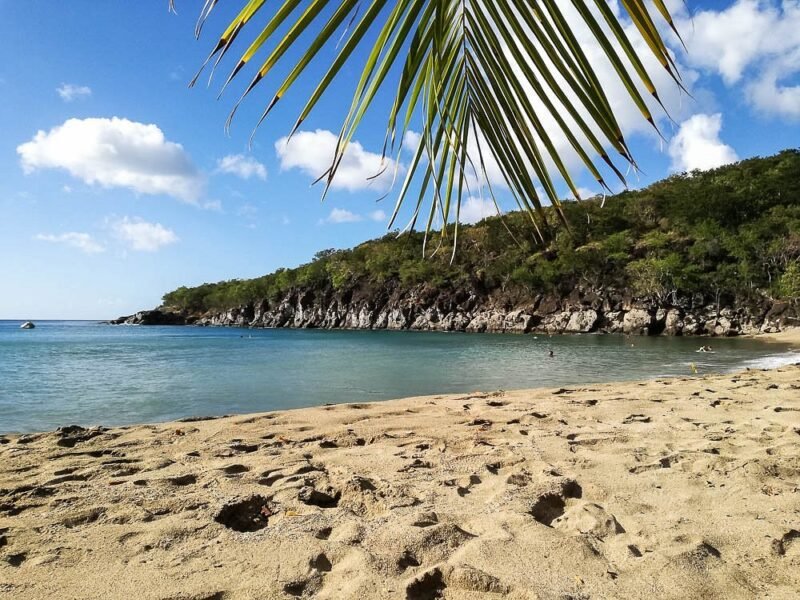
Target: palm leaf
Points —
{"points": [[477, 78]]}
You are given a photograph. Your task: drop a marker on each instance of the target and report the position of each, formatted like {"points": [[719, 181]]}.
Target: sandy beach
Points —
{"points": [[788, 336], [681, 488]]}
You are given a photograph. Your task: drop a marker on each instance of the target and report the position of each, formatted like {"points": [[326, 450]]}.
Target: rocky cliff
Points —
{"points": [[428, 309], [711, 253]]}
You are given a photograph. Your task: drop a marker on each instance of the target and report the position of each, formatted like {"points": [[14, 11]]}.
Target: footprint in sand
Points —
{"points": [[15, 560], [182, 480], [636, 419], [432, 583], [464, 486], [310, 585], [326, 497], [788, 544], [428, 586], [588, 519], [551, 504], [407, 561], [85, 517], [663, 463], [234, 470], [247, 515], [270, 477]]}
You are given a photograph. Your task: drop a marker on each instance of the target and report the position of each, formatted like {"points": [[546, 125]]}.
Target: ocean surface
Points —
{"points": [[87, 373]]}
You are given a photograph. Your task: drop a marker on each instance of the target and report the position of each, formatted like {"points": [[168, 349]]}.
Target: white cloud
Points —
{"points": [[727, 41], [476, 209], [144, 236], [82, 241], [340, 215], [247, 211], [585, 193], [732, 40], [242, 166], [115, 153], [697, 144], [213, 205], [70, 91], [411, 140], [752, 43], [767, 94], [312, 152]]}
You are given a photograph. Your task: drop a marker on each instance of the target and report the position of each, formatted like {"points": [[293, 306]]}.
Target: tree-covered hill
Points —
{"points": [[730, 236]]}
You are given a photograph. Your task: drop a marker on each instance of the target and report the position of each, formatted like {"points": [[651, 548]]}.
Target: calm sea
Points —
{"points": [[66, 372]]}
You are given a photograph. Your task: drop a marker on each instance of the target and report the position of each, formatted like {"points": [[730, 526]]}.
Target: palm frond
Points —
{"points": [[479, 79]]}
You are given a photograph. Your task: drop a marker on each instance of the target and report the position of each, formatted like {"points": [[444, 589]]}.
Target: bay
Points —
{"points": [[77, 372]]}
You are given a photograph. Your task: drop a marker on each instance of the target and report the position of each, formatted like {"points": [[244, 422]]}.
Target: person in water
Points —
{"points": [[551, 354]]}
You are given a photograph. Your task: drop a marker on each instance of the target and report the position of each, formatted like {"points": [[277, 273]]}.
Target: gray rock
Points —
{"points": [[614, 321], [517, 321], [582, 321], [479, 323], [555, 322], [637, 321], [673, 323]]}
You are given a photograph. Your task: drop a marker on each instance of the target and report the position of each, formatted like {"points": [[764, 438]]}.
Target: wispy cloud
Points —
{"points": [[377, 216], [242, 166], [143, 236], [82, 241], [70, 92], [341, 215], [213, 206]]}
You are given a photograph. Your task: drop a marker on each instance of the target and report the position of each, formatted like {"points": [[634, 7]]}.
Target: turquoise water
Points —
{"points": [[87, 373]]}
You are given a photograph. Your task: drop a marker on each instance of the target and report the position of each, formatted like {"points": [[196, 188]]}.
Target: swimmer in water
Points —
{"points": [[551, 354]]}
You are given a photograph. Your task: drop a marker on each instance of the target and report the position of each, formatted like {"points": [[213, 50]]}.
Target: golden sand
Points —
{"points": [[677, 488]]}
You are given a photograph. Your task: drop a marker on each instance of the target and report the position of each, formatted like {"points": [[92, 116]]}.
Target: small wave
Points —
{"points": [[773, 361]]}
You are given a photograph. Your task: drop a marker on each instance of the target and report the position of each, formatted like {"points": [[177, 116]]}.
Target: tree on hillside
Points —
{"points": [[489, 85]]}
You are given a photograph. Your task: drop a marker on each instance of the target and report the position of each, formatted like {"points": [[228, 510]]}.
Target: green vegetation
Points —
{"points": [[731, 234]]}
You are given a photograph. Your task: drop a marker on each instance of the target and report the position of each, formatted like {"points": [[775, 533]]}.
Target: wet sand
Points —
{"points": [[675, 488]]}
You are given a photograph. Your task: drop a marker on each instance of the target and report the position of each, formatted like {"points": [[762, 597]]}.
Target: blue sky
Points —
{"points": [[94, 104]]}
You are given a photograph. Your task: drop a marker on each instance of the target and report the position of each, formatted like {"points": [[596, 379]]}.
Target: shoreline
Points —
{"points": [[790, 337], [677, 488], [786, 345]]}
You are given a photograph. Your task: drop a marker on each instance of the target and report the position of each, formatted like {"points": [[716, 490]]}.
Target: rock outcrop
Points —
{"points": [[159, 316], [427, 309]]}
